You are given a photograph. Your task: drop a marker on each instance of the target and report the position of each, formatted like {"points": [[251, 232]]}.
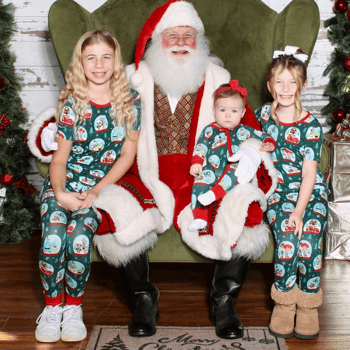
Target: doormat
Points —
{"points": [[184, 338]]}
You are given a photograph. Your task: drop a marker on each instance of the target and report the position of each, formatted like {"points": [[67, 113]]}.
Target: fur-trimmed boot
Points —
{"points": [[307, 325], [283, 315]]}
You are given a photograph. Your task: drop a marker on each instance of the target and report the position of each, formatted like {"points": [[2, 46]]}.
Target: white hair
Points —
{"points": [[178, 76]]}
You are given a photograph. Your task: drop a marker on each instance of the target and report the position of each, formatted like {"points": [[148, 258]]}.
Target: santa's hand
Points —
{"points": [[249, 161], [48, 138]]}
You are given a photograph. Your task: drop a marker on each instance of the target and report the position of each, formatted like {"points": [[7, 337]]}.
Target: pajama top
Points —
{"points": [[96, 142]]}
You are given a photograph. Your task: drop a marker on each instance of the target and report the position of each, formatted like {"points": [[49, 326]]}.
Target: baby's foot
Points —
{"points": [[197, 224], [207, 198]]}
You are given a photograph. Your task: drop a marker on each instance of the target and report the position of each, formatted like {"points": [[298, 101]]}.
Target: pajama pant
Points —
{"points": [[293, 256], [219, 184], [65, 248]]}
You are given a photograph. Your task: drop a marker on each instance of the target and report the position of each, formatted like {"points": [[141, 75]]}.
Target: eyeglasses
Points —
{"points": [[188, 37]]}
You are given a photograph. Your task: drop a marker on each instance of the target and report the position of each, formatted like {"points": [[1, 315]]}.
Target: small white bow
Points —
{"points": [[291, 50]]}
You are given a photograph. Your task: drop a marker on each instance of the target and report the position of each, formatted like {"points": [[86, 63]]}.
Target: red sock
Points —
{"points": [[201, 213], [73, 300], [53, 301], [218, 191]]}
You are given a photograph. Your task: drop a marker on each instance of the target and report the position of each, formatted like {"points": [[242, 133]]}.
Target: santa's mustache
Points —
{"points": [[179, 49]]}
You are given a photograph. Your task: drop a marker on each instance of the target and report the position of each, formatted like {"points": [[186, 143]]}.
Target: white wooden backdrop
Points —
{"points": [[42, 82]]}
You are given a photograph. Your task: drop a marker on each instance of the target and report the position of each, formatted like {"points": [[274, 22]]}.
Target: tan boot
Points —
{"points": [[307, 326], [282, 319]]}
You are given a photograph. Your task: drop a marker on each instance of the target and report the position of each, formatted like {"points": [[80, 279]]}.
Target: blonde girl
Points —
{"points": [[98, 120], [297, 210]]}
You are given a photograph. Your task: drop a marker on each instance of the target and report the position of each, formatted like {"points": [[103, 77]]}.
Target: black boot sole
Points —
{"points": [[237, 335], [140, 333]]}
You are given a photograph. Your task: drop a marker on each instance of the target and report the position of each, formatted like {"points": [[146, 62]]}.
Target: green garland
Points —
{"points": [[337, 89], [20, 212]]}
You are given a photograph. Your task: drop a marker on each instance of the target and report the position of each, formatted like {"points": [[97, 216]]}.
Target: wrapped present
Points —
{"points": [[339, 175], [337, 235], [341, 133]]}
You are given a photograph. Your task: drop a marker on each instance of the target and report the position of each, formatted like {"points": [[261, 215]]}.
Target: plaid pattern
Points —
{"points": [[172, 130]]}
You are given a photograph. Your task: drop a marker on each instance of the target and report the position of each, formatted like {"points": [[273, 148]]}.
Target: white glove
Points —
{"points": [[249, 161], [48, 138]]}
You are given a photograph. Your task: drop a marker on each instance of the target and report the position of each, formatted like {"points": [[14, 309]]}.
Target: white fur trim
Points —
{"points": [[131, 222], [147, 156], [34, 129], [135, 228], [136, 79], [266, 159], [118, 255], [214, 77], [179, 13], [228, 226], [253, 242]]}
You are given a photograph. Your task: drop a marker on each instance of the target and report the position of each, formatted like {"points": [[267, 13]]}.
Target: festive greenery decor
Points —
{"points": [[19, 212], [338, 88]]}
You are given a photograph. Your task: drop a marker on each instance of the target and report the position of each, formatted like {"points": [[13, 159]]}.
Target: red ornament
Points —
{"points": [[347, 63], [2, 83], [6, 179], [338, 115], [348, 15], [340, 5]]}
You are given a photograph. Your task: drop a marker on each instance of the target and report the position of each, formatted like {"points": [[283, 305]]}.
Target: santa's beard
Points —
{"points": [[177, 76]]}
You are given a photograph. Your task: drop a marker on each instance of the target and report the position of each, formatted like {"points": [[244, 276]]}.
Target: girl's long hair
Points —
{"points": [[77, 85], [298, 70]]}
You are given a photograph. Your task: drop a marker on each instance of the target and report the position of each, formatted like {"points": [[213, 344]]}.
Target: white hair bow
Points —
{"points": [[291, 50]]}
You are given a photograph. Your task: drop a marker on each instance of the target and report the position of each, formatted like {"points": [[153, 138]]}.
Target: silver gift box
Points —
{"points": [[339, 182], [337, 235]]}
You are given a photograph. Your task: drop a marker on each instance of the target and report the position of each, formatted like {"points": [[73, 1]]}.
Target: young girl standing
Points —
{"points": [[297, 210], [98, 120]]}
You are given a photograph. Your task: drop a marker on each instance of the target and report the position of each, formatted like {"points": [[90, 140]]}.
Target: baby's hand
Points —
{"points": [[267, 147], [195, 169]]}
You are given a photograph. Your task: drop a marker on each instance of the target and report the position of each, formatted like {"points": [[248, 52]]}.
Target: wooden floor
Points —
{"points": [[183, 301]]}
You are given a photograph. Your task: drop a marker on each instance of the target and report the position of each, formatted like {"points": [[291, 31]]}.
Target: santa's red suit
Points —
{"points": [[136, 228]]}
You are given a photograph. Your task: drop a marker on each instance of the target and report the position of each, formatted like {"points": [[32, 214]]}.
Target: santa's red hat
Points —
{"points": [[174, 13]]}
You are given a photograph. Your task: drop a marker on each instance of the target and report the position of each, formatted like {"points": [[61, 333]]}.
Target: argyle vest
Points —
{"points": [[172, 130]]}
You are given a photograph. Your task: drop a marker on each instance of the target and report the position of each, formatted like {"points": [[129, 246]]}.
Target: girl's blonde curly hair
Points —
{"points": [[77, 85], [298, 70]]}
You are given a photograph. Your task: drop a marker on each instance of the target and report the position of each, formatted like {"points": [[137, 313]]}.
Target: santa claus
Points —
{"points": [[176, 76]]}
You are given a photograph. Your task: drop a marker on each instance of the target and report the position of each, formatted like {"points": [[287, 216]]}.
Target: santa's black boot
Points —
{"points": [[144, 296], [227, 282]]}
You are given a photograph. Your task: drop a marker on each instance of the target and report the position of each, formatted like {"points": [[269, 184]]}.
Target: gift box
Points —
{"points": [[339, 174], [337, 235]]}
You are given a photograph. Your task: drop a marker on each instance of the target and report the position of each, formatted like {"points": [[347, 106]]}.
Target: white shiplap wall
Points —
{"points": [[42, 79]]}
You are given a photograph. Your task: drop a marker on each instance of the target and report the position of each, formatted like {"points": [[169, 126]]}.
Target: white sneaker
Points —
{"points": [[73, 327], [49, 324]]}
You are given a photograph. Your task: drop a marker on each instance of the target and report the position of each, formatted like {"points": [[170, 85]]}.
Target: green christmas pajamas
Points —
{"points": [[65, 248], [294, 143]]}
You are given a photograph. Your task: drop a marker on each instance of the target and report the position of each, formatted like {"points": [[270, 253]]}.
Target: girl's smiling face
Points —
{"points": [[285, 88], [98, 63]]}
